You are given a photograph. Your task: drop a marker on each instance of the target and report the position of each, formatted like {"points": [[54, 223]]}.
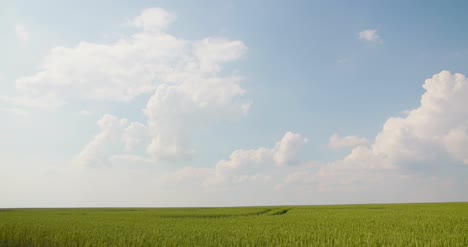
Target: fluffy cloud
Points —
{"points": [[420, 157], [420, 135], [286, 151], [174, 111], [430, 136], [246, 164], [337, 142], [136, 136], [370, 35], [257, 166], [129, 67], [181, 77], [97, 152], [89, 71], [456, 143], [118, 142], [153, 20]]}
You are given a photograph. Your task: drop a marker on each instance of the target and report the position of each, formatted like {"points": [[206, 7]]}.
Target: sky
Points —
{"points": [[231, 103]]}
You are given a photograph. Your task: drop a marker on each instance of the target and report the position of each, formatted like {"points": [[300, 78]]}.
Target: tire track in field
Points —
{"points": [[218, 216], [280, 212]]}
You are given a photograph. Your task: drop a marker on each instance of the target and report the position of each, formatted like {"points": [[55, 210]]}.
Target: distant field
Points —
{"points": [[352, 225]]}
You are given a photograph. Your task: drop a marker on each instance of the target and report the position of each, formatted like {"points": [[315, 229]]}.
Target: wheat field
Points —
{"points": [[346, 225]]}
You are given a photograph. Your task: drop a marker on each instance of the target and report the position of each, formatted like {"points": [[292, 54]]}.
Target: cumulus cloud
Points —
{"points": [[96, 152], [370, 35], [286, 151], [21, 33], [132, 66], [420, 135], [184, 80], [153, 19], [418, 157], [117, 142], [430, 136], [174, 111], [242, 164], [456, 143], [246, 166], [337, 142], [136, 136]]}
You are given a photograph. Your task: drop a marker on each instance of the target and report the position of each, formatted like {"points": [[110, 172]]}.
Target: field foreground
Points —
{"points": [[347, 225]]}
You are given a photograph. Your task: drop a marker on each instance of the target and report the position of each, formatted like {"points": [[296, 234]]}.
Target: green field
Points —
{"points": [[347, 225]]}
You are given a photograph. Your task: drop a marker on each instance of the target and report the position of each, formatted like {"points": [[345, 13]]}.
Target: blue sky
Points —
{"points": [[266, 101]]}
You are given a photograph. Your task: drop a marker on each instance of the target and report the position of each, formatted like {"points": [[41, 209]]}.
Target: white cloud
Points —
{"points": [[21, 33], [337, 142], [175, 111], [256, 166], [118, 142], [419, 136], [211, 52], [370, 35], [435, 134], [98, 151], [185, 77], [286, 151], [132, 66], [242, 163], [136, 136], [456, 142], [432, 135], [153, 19]]}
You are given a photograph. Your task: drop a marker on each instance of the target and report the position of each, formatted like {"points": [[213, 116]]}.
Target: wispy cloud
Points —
{"points": [[370, 35]]}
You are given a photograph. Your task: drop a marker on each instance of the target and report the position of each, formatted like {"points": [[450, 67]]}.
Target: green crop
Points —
{"points": [[350, 225]]}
